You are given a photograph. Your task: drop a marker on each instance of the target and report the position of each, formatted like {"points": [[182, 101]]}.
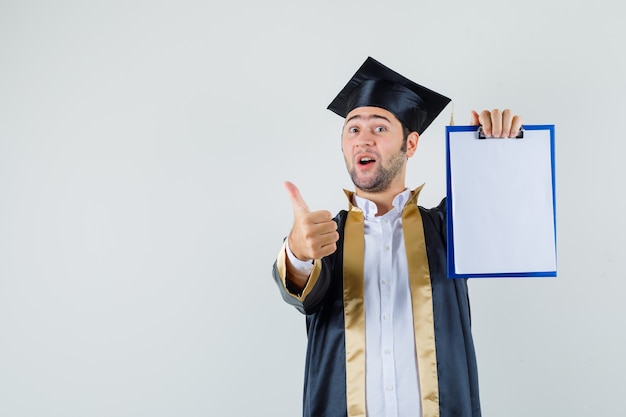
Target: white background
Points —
{"points": [[143, 145]]}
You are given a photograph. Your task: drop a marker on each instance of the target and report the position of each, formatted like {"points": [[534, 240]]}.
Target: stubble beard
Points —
{"points": [[384, 175]]}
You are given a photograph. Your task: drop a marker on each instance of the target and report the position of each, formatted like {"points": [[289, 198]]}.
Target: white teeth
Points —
{"points": [[366, 159]]}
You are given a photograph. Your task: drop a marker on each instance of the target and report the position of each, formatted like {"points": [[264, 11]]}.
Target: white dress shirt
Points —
{"points": [[391, 380]]}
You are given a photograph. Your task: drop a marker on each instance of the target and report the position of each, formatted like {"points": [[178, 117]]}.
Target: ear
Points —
{"points": [[411, 143]]}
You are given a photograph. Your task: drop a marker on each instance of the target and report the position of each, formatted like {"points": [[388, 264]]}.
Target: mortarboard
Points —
{"points": [[376, 85]]}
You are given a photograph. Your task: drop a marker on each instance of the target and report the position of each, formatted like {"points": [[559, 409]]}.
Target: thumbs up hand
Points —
{"points": [[314, 233]]}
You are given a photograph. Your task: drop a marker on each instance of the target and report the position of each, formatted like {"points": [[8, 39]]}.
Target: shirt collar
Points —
{"points": [[370, 209]]}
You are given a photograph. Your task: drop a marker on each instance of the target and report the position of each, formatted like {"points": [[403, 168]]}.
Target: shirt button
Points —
{"points": [[387, 351], [384, 282], [386, 317], [387, 247], [389, 388]]}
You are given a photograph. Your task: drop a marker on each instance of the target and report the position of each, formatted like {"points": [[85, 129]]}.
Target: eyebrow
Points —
{"points": [[369, 117]]}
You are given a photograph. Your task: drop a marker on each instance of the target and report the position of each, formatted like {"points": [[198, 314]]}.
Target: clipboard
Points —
{"points": [[501, 203]]}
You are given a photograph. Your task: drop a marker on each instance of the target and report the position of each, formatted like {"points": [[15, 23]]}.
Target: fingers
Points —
{"points": [[314, 233], [474, 119], [497, 123], [485, 120], [516, 125], [507, 118], [298, 203], [313, 236], [315, 243], [511, 124]]}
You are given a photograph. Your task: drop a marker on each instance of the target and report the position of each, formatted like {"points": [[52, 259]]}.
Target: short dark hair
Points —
{"points": [[405, 133]]}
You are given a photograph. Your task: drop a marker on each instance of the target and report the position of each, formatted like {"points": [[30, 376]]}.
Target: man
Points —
{"points": [[388, 333]]}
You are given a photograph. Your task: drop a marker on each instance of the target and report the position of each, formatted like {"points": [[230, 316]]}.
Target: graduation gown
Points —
{"points": [[334, 384]]}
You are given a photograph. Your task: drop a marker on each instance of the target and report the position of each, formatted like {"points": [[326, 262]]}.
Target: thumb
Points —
{"points": [[474, 121], [299, 205]]}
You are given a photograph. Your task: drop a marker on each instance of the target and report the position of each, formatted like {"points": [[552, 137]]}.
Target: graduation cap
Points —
{"points": [[378, 86]]}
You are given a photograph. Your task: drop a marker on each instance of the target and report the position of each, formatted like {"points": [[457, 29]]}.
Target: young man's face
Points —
{"points": [[372, 145]]}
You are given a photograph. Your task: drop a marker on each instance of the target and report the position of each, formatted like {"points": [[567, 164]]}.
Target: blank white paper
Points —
{"points": [[502, 203]]}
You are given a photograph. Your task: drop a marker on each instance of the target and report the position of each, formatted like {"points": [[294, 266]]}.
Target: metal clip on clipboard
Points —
{"points": [[481, 134]]}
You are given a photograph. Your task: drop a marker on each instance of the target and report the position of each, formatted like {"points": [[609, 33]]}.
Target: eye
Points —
{"points": [[353, 130], [380, 129]]}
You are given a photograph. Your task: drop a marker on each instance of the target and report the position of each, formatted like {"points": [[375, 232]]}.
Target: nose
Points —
{"points": [[366, 138]]}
